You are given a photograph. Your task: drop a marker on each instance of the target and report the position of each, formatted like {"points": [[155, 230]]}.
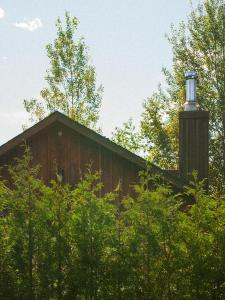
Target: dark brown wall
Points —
{"points": [[73, 152], [193, 143]]}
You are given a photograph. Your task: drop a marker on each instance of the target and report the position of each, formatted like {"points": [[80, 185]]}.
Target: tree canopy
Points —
{"points": [[196, 45], [63, 242], [71, 79], [127, 136]]}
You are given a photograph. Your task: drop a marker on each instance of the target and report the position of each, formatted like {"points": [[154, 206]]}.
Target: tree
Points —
{"points": [[198, 45], [7, 277], [71, 79], [201, 230], [22, 227], [61, 242], [159, 132], [127, 137], [151, 221], [92, 231]]}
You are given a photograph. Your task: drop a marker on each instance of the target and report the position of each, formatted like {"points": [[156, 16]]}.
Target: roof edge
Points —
{"points": [[94, 136]]}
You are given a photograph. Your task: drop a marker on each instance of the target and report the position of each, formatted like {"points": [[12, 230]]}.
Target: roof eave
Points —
{"points": [[57, 116]]}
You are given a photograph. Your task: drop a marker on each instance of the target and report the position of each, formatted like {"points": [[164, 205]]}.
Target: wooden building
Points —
{"points": [[58, 141], [61, 145]]}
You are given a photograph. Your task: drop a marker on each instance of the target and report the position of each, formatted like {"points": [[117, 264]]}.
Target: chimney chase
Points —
{"points": [[193, 134]]}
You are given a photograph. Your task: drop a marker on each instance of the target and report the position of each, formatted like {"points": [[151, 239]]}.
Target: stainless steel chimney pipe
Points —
{"points": [[191, 101]]}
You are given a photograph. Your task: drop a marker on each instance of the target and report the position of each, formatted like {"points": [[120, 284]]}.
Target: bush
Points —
{"points": [[63, 242]]}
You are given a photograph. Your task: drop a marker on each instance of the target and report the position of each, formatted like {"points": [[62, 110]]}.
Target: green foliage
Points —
{"points": [[197, 45], [63, 242], [91, 231], [127, 137], [160, 132], [71, 79]]}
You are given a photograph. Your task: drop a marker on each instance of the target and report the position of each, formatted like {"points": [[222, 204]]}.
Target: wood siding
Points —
{"points": [[61, 147], [194, 143]]}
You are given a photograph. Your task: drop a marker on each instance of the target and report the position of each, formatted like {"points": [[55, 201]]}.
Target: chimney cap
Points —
{"points": [[191, 75]]}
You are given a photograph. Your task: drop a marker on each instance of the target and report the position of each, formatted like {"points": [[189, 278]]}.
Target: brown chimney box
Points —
{"points": [[193, 144], [193, 134]]}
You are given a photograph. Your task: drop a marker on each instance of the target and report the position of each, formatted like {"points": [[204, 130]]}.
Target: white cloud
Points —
{"points": [[30, 25], [2, 13], [4, 58]]}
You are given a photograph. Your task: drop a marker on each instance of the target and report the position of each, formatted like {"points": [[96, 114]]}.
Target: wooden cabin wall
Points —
{"points": [[60, 146]]}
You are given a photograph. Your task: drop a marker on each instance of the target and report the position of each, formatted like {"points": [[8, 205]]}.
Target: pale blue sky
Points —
{"points": [[127, 45]]}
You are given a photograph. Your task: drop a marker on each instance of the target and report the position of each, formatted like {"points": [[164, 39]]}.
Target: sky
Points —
{"points": [[126, 41]]}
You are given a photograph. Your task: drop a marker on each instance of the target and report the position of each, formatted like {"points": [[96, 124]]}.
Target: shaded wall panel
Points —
{"points": [[74, 159], [59, 146], [39, 148], [106, 169], [89, 155], [117, 173], [193, 143]]}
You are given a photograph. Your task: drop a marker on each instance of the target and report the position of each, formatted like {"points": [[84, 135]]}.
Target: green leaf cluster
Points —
{"points": [[198, 44], [63, 242], [128, 137], [71, 79]]}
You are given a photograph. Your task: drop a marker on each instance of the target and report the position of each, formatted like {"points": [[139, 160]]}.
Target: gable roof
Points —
{"points": [[94, 136]]}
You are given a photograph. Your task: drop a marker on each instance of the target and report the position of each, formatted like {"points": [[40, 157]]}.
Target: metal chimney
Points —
{"points": [[191, 101]]}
